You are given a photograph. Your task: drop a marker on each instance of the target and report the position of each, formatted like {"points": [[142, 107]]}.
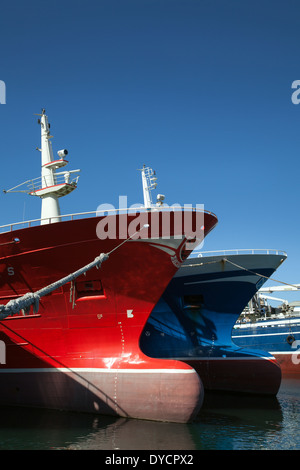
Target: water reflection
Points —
{"points": [[43, 429], [235, 422], [225, 421]]}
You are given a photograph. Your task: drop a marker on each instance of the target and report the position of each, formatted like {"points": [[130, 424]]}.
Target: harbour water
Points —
{"points": [[226, 422]]}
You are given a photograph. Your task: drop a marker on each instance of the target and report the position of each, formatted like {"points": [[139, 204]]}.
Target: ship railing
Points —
{"points": [[244, 251], [33, 185], [99, 213]]}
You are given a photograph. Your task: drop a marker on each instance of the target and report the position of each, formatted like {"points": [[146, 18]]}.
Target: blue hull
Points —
{"points": [[193, 322]]}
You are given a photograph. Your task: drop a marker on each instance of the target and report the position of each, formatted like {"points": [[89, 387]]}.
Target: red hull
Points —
{"points": [[86, 356], [289, 363]]}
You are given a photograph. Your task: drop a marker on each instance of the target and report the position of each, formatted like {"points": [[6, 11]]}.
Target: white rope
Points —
{"points": [[33, 298]]}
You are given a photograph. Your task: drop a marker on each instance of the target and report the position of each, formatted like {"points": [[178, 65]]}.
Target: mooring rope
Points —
{"points": [[241, 267], [33, 298], [261, 275]]}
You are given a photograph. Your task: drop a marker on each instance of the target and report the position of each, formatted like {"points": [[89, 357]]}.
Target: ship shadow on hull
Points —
{"points": [[36, 383], [139, 388]]}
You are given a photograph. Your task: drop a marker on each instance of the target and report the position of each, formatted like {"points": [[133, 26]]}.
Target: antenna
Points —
{"points": [[149, 181]]}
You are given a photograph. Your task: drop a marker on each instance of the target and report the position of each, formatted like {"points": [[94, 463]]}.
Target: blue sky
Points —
{"points": [[200, 90]]}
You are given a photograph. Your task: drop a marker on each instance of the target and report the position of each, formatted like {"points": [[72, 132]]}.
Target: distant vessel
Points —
{"points": [[276, 330], [69, 333]]}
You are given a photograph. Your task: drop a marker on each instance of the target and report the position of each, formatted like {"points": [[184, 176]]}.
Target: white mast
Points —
{"points": [[51, 189], [50, 204], [51, 185]]}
